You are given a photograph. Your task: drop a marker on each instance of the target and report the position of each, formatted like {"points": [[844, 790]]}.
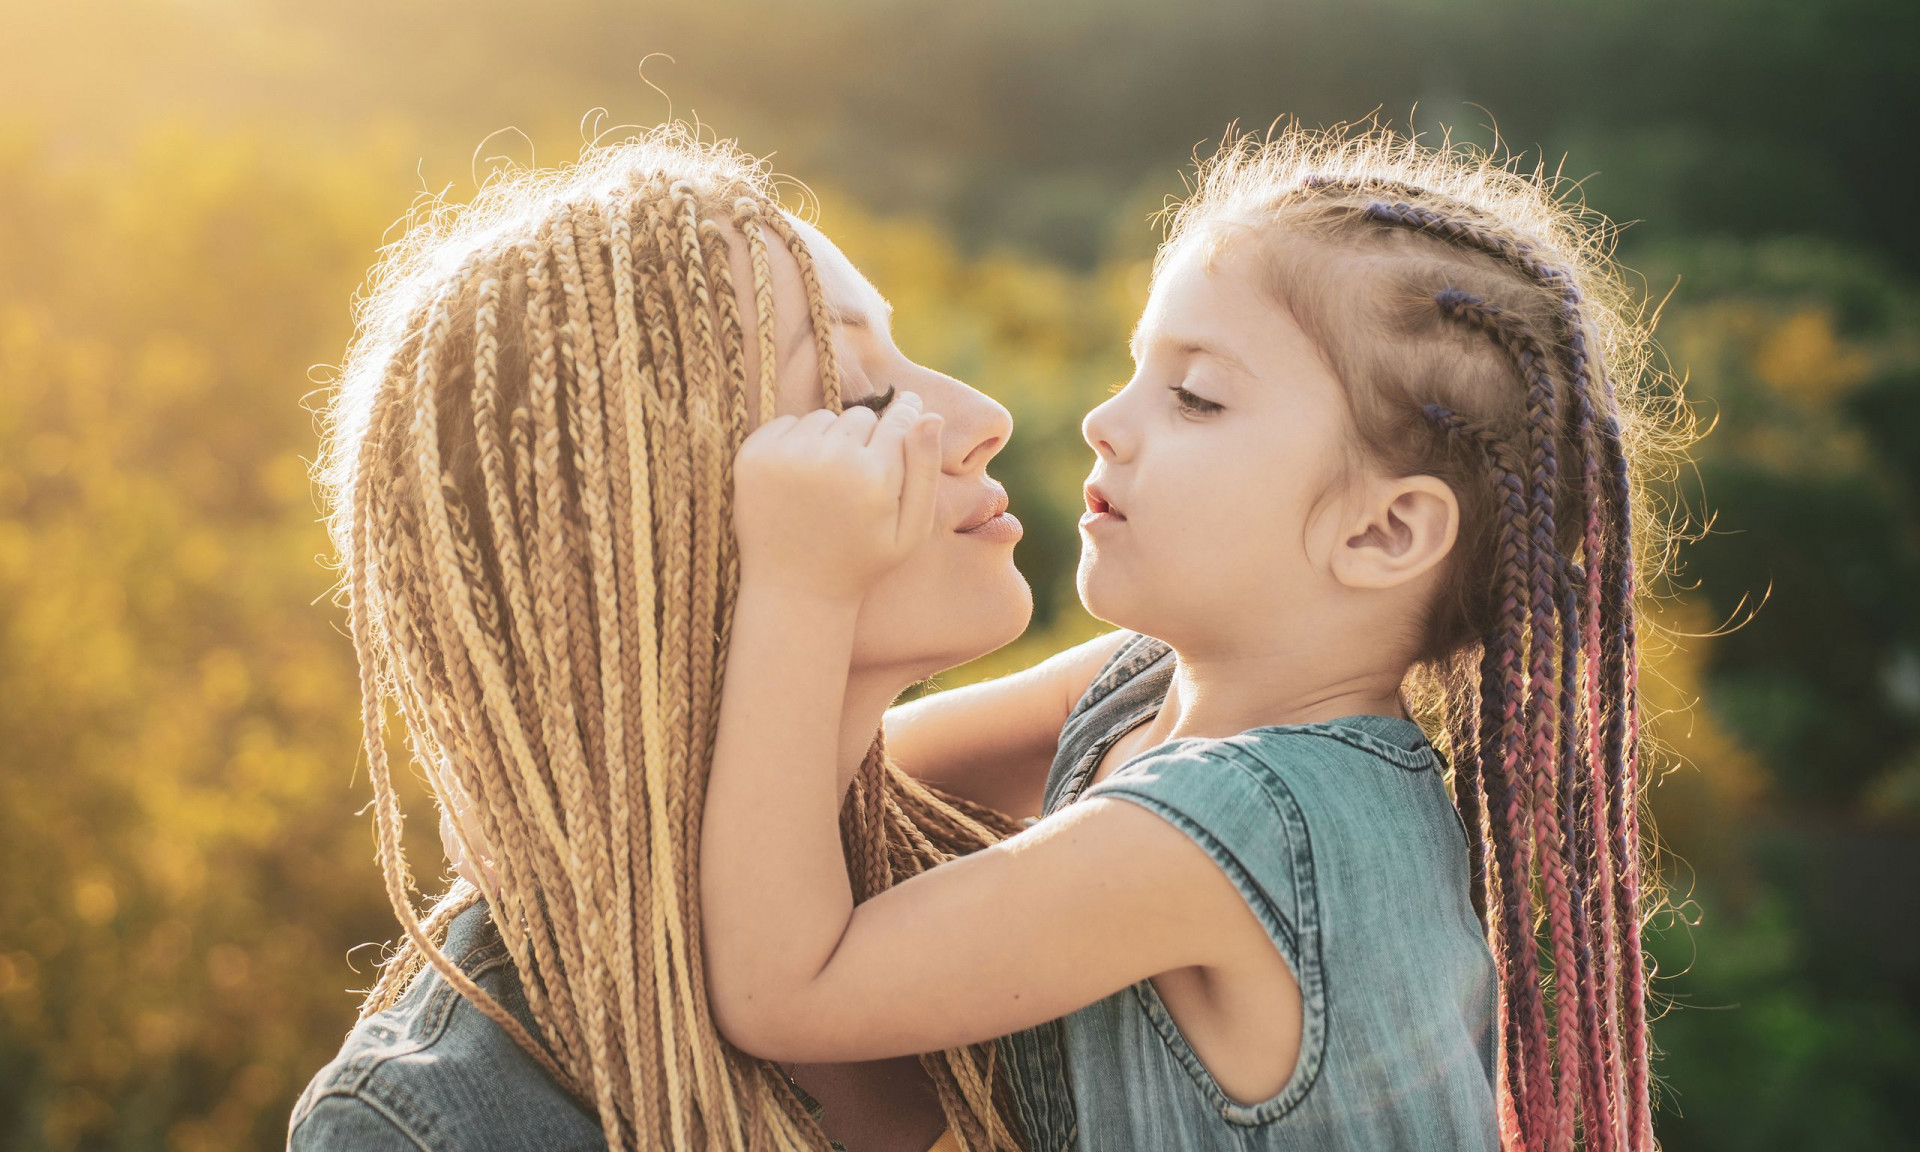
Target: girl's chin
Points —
{"points": [[1108, 598]]}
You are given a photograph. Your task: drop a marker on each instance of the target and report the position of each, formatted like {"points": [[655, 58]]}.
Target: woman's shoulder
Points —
{"points": [[434, 1072]]}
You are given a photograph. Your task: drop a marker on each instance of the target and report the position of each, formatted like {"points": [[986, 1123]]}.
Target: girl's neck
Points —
{"points": [[1218, 695]]}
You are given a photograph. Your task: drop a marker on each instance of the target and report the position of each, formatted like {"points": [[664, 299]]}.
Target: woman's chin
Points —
{"points": [[922, 635], [991, 619]]}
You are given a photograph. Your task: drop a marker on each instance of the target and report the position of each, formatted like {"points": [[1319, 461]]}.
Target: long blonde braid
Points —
{"points": [[528, 468]]}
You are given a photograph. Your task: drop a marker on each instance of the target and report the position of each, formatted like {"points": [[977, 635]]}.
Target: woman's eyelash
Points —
{"points": [[879, 401], [1191, 403]]}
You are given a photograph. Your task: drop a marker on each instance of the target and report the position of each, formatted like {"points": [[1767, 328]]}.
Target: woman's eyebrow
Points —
{"points": [[858, 318], [838, 314]]}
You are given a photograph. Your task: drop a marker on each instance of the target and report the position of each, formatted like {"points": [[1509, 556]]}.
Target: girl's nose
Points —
{"points": [[1098, 428]]}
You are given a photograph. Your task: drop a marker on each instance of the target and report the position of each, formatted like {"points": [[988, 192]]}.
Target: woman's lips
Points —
{"points": [[1003, 528], [991, 520]]}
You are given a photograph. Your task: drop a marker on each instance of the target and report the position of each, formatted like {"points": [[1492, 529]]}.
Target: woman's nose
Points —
{"points": [[977, 427]]}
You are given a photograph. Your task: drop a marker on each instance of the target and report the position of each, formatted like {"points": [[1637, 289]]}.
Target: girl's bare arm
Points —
{"points": [[1089, 901], [993, 742]]}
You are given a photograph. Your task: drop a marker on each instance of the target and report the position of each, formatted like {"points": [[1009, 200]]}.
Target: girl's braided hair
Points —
{"points": [[528, 466], [1484, 337]]}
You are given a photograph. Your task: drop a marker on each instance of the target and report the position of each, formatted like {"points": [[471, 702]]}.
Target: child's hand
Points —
{"points": [[825, 504]]}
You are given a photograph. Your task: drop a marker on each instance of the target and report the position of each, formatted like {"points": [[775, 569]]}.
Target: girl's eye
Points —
{"points": [[1193, 405], [878, 401]]}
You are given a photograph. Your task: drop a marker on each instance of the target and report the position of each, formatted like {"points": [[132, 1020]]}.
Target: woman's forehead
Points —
{"points": [[850, 296]]}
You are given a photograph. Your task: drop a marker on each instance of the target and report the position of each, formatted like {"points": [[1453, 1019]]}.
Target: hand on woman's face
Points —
{"points": [[959, 595]]}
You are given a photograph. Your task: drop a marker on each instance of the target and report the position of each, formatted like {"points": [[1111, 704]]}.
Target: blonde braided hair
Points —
{"points": [[528, 467]]}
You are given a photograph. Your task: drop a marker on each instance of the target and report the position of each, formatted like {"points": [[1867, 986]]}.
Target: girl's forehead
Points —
{"points": [[1214, 301], [1196, 287]]}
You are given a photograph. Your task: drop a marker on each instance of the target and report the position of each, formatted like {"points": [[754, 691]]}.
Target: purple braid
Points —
{"points": [[1470, 796], [1576, 798], [1622, 757], [1502, 687], [1602, 782], [1544, 575]]}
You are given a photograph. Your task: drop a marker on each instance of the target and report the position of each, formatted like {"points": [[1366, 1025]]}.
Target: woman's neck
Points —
{"points": [[867, 701]]}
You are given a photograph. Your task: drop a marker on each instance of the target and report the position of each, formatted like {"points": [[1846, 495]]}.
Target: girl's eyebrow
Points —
{"points": [[1189, 348], [1196, 348]]}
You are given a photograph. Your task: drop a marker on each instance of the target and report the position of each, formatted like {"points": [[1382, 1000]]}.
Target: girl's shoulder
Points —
{"points": [[1287, 752], [1294, 813], [1362, 739], [1135, 655], [1294, 776]]}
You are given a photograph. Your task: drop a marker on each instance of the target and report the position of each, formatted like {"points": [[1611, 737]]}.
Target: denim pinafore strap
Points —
{"points": [[1346, 846], [1121, 694]]}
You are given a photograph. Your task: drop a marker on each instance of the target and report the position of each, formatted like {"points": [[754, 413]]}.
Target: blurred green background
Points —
{"points": [[191, 190]]}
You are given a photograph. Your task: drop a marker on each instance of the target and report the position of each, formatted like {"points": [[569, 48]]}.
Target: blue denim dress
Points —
{"points": [[434, 1074], [1344, 842]]}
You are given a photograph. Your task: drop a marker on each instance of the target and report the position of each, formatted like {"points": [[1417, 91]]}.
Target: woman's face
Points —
{"points": [[958, 596]]}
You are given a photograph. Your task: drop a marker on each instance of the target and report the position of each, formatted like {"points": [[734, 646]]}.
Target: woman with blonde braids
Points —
{"points": [[528, 463]]}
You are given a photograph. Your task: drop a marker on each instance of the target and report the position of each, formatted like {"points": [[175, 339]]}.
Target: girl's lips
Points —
{"points": [[1097, 505]]}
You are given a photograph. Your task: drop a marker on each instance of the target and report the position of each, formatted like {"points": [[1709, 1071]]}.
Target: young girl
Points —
{"points": [[1376, 458]]}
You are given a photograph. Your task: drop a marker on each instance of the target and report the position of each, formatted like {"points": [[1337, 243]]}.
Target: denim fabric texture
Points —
{"points": [[1346, 846], [433, 1074]]}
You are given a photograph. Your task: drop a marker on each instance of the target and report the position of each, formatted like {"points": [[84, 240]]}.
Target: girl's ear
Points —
{"points": [[1405, 527]]}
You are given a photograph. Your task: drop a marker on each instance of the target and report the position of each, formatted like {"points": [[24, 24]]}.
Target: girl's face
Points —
{"points": [[959, 596], [1207, 520]]}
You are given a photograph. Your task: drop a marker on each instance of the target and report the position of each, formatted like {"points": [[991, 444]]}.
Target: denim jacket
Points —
{"points": [[1344, 842], [434, 1074]]}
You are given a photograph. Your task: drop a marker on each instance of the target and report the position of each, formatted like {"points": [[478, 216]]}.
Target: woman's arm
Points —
{"points": [[993, 742]]}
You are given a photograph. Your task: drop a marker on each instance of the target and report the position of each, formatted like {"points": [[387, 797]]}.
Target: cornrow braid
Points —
{"points": [[1484, 337], [528, 465], [1544, 575], [1501, 691]]}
